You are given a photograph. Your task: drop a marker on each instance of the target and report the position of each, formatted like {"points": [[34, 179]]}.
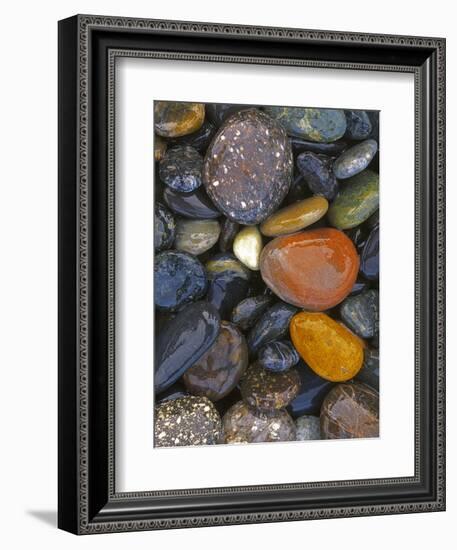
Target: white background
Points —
{"points": [[28, 229], [139, 466]]}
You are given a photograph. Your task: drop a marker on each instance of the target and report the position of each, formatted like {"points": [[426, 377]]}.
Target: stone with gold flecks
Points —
{"points": [[247, 247], [185, 421], [241, 424], [173, 119], [330, 349], [196, 236], [294, 217], [350, 411], [313, 269]]}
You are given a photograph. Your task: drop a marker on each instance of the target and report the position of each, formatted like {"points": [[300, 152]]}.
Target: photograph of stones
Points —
{"points": [[266, 274]]}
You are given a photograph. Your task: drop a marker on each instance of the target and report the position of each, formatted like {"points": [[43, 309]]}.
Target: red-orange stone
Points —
{"points": [[313, 269]]}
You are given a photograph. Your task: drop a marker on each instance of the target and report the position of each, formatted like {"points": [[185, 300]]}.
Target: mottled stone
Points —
{"points": [[355, 159], [246, 313], [272, 325], [196, 236], [160, 148], [195, 205], [356, 201], [248, 167], [179, 279], [361, 313], [294, 217], [172, 119], [278, 356], [173, 392], [247, 247], [228, 283], [308, 428], [164, 227], [369, 258], [182, 341], [300, 145], [181, 168], [321, 125], [317, 171], [369, 374], [350, 411], [358, 125], [229, 230], [267, 391], [187, 421], [313, 269], [358, 288], [219, 370], [198, 140], [241, 424], [328, 347], [313, 390]]}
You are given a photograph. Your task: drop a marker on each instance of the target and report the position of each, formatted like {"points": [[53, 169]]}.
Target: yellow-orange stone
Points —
{"points": [[331, 350], [295, 217]]}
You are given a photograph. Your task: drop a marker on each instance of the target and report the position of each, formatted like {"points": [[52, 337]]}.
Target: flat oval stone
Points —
{"points": [[182, 341], [246, 313], [241, 424], [355, 159], [369, 258], [314, 269], [181, 168], [198, 140], [311, 395], [267, 391], [294, 217], [228, 283], [278, 356], [356, 201], [229, 230], [195, 205], [179, 279], [219, 370], [328, 347], [321, 125], [350, 411], [164, 227], [361, 313], [187, 421], [173, 119], [308, 428], [317, 171], [248, 167], [300, 145], [160, 148], [369, 374], [358, 125], [196, 236], [247, 247], [272, 325]]}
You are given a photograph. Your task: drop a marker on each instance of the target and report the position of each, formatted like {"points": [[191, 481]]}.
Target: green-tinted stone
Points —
{"points": [[196, 236], [320, 125], [356, 201]]}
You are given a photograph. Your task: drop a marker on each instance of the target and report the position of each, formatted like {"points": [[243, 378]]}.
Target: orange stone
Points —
{"points": [[314, 269], [330, 349]]}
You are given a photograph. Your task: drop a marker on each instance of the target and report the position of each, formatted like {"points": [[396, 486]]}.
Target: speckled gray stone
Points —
{"points": [[355, 159], [308, 428], [181, 168]]}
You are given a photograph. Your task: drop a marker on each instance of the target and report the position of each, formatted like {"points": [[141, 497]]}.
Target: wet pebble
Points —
{"points": [[219, 112], [278, 356], [308, 428], [246, 313], [181, 168], [369, 374], [173, 119], [195, 205], [247, 247], [164, 227], [361, 313], [198, 140], [355, 159], [313, 389], [317, 171], [358, 125], [300, 145], [369, 258], [196, 236]]}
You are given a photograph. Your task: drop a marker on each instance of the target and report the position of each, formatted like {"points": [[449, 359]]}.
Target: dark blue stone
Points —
{"points": [[358, 288], [278, 356], [246, 313], [198, 140], [179, 278], [313, 391], [358, 125], [357, 236], [272, 325], [164, 227], [183, 341], [335, 148], [318, 173], [181, 168], [228, 283], [369, 258], [195, 205], [361, 313], [173, 392], [369, 373]]}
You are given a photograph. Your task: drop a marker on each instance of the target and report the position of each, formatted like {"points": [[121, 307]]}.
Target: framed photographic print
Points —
{"points": [[251, 274]]}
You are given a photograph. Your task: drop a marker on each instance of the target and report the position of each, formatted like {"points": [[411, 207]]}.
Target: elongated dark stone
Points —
{"points": [[229, 230], [246, 313], [318, 173], [300, 145], [195, 205], [361, 313], [164, 227], [311, 395], [355, 160], [358, 125], [369, 259], [369, 373], [278, 356], [183, 341]]}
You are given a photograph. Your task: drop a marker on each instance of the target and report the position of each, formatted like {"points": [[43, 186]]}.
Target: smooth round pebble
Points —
{"points": [[278, 356], [308, 428], [196, 236], [355, 159], [173, 119], [247, 247]]}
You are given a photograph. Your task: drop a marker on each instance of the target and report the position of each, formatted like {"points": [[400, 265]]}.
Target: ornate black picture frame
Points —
{"points": [[88, 47]]}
